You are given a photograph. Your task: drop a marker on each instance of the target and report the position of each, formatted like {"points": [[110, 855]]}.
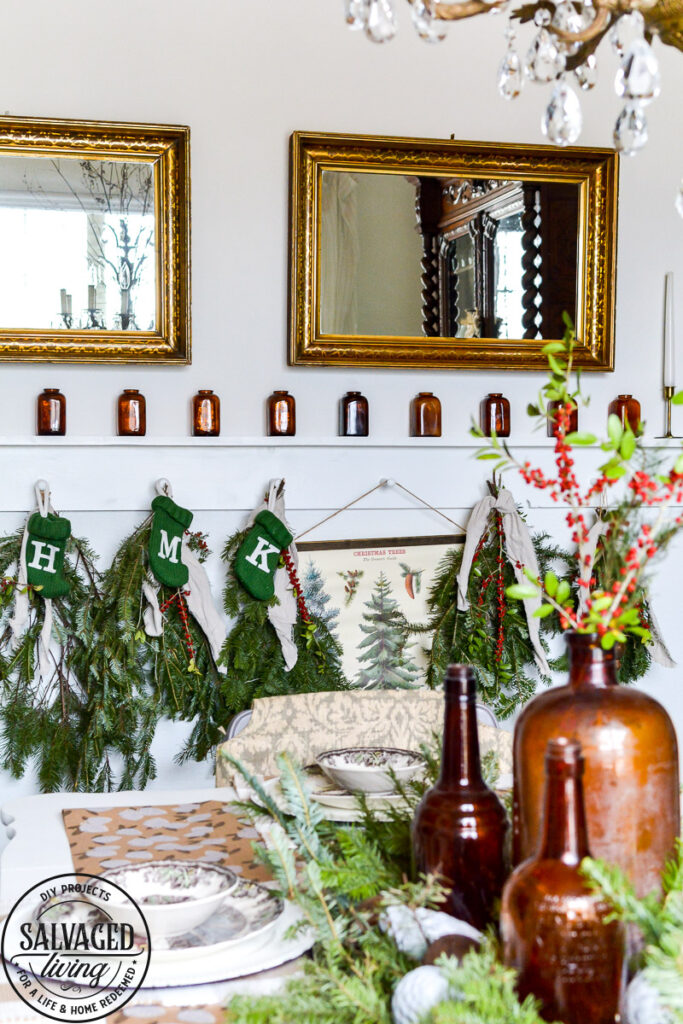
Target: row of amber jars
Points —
{"points": [[425, 414]]}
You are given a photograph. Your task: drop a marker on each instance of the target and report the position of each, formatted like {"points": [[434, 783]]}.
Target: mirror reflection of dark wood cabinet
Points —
{"points": [[499, 257]]}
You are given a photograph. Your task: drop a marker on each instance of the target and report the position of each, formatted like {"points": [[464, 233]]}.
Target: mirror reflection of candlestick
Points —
{"points": [[125, 299], [69, 304], [92, 296], [62, 301]]}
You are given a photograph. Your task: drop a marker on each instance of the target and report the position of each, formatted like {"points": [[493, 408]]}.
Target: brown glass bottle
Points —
{"points": [[51, 413], [572, 425], [631, 783], [553, 928], [425, 415], [460, 825], [627, 408], [281, 414], [494, 415], [206, 414], [131, 413], [353, 415]]}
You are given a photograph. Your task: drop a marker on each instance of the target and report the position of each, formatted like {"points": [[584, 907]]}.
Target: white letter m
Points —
{"points": [[169, 549]]}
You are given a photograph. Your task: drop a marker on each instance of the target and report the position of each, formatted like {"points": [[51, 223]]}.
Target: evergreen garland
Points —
{"points": [[492, 635], [46, 721], [341, 877], [252, 653], [134, 680]]}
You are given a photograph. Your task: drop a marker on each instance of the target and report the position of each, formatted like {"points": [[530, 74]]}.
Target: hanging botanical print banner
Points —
{"points": [[366, 591]]}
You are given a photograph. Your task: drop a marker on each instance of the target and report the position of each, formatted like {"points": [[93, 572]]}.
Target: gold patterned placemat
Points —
{"points": [[110, 837]]}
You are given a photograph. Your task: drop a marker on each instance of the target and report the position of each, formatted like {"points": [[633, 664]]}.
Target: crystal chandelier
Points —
{"points": [[562, 52]]}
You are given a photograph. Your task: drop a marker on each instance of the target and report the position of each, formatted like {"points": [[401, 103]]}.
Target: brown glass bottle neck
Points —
{"points": [[565, 836], [590, 665], [461, 765]]}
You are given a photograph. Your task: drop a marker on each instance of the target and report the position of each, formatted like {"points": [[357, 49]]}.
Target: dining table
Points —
{"points": [[193, 990]]}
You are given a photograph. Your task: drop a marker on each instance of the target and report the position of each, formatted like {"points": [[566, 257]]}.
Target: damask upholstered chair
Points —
{"points": [[306, 724]]}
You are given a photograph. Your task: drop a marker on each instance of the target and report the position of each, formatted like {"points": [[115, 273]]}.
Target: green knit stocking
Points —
{"points": [[45, 549], [168, 525], [259, 553]]}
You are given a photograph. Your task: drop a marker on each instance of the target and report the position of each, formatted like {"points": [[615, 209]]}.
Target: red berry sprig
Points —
{"points": [[296, 586], [178, 597]]}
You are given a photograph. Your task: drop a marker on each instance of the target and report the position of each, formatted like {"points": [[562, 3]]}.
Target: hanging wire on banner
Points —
{"points": [[383, 483]]}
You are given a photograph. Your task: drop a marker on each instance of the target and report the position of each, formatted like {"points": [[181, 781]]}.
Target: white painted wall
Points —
{"points": [[243, 75]]}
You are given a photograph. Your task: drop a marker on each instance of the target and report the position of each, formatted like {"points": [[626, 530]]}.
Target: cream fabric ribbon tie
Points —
{"points": [[19, 620], [520, 552]]}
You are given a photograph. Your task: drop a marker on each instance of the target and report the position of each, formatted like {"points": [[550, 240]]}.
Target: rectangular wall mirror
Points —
{"points": [[94, 242], [415, 252]]}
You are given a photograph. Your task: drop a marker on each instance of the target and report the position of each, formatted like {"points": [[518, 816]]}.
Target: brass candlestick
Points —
{"points": [[668, 390]]}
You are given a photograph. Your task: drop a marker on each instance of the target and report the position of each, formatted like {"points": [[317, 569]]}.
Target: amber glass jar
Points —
{"points": [[132, 414], [572, 425], [425, 415], [553, 928], [206, 414], [627, 408], [460, 825], [631, 783], [51, 413], [281, 414], [353, 415], [494, 415]]}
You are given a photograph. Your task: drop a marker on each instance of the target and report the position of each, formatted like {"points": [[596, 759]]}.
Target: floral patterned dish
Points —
{"points": [[174, 896], [370, 769]]}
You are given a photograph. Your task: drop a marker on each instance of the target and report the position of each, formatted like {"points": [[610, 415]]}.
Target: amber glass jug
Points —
{"points": [[494, 415], [631, 781], [281, 414], [51, 413], [460, 825], [131, 414], [425, 415], [627, 408], [553, 928], [572, 425], [206, 414], [353, 415]]}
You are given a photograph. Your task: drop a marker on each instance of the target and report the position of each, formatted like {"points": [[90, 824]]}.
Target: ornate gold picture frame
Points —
{"points": [[96, 219], [457, 195]]}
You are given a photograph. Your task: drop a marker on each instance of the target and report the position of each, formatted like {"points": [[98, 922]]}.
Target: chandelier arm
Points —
{"points": [[456, 11], [597, 27]]}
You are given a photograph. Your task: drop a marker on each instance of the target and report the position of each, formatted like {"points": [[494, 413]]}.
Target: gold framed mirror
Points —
{"points": [[94, 242], [441, 254]]}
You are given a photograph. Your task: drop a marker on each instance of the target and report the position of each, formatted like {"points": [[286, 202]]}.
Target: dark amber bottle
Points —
{"points": [[132, 414], [627, 408], [553, 928], [51, 413], [281, 414], [460, 825], [206, 414], [425, 415], [631, 784], [572, 425], [494, 415], [353, 415]]}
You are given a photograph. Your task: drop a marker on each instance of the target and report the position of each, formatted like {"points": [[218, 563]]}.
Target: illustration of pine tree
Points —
{"points": [[385, 663], [316, 597]]}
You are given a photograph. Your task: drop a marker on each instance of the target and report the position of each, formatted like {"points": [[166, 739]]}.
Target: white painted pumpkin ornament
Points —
{"points": [[417, 993], [642, 1003], [414, 930]]}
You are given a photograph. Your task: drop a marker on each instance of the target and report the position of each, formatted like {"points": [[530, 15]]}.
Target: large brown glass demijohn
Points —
{"points": [[631, 782], [460, 826], [554, 930]]}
